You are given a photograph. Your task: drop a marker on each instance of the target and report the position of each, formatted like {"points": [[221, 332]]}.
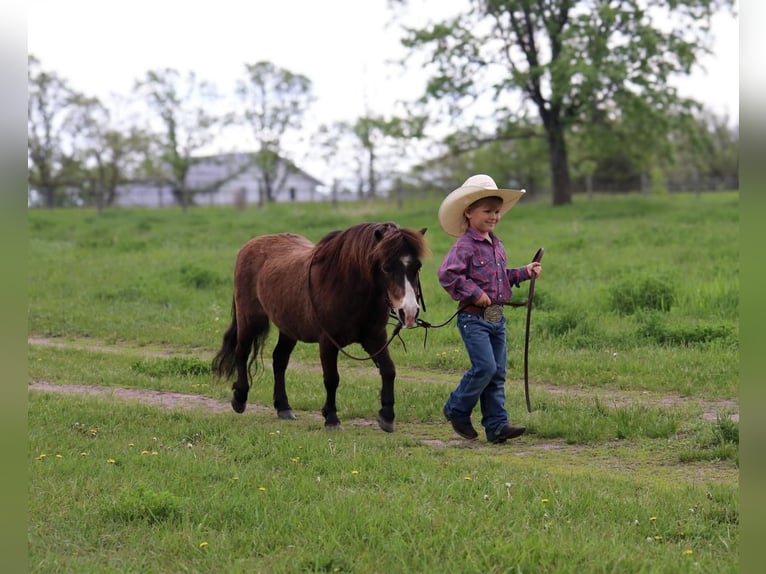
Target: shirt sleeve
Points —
{"points": [[453, 275], [517, 275]]}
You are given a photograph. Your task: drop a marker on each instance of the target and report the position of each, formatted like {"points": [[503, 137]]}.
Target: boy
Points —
{"points": [[474, 273]]}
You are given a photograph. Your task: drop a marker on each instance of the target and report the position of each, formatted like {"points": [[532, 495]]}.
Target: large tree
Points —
{"points": [[274, 100], [572, 63]]}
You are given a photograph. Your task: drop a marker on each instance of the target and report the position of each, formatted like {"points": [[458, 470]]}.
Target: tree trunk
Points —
{"points": [[49, 196], [557, 152], [371, 170]]}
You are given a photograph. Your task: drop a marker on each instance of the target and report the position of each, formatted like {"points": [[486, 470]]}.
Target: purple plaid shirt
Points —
{"points": [[473, 265]]}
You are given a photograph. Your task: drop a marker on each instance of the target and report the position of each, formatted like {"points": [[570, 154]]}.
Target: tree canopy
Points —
{"points": [[572, 63]]}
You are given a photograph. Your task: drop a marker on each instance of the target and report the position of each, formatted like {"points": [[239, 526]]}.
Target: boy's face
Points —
{"points": [[483, 215]]}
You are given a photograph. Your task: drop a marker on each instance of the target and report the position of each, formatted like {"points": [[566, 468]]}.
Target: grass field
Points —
{"points": [[630, 463]]}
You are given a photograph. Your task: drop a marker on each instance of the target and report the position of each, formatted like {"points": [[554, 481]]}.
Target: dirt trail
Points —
{"points": [[711, 409]]}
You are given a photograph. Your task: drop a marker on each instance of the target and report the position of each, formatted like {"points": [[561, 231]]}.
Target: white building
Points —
{"points": [[227, 179]]}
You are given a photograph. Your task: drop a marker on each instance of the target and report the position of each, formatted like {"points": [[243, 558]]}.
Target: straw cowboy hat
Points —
{"points": [[476, 187]]}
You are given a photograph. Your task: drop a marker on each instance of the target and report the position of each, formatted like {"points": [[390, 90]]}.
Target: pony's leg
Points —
{"points": [[242, 385], [280, 358], [252, 329], [328, 354], [387, 375]]}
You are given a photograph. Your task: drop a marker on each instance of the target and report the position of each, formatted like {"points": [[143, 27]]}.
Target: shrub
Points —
{"points": [[199, 278], [637, 293], [144, 504], [653, 327]]}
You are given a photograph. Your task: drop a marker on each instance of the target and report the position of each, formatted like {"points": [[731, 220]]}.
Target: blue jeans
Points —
{"points": [[484, 382]]}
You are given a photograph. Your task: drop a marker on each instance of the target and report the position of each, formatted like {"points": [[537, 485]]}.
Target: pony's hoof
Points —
{"points": [[286, 414], [333, 426], [239, 407], [387, 426]]}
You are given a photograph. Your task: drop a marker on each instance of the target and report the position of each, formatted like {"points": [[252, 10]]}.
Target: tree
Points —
{"points": [[105, 155], [381, 137], [573, 62], [47, 108], [181, 103], [275, 100], [705, 152]]}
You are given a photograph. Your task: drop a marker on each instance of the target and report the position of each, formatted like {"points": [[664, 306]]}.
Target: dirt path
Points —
{"points": [[711, 409], [562, 452]]}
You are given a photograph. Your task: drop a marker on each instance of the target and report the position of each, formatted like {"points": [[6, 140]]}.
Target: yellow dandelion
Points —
{"points": [[42, 456], [155, 453], [144, 452], [658, 537], [544, 501], [467, 478], [355, 472], [653, 518], [130, 444], [203, 544], [111, 461], [295, 459], [59, 456], [261, 488], [83, 454], [235, 477], [688, 552]]}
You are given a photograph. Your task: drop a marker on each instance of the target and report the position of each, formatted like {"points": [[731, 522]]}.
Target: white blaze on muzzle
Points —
{"points": [[407, 307]]}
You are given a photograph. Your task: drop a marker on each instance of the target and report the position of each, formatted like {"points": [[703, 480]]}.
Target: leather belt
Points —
{"points": [[492, 313]]}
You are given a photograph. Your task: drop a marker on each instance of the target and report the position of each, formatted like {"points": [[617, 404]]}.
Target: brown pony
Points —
{"points": [[337, 292]]}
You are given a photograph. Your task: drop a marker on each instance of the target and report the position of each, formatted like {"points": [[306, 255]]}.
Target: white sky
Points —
{"points": [[102, 46]]}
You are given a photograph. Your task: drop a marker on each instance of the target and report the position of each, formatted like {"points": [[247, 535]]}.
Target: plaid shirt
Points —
{"points": [[474, 265]]}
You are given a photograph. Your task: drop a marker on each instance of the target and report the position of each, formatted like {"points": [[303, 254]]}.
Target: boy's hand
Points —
{"points": [[534, 269], [483, 301]]}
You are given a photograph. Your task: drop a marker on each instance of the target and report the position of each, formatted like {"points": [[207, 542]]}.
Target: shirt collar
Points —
{"points": [[473, 234]]}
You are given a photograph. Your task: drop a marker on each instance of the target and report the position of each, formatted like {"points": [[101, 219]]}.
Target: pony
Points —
{"points": [[342, 290]]}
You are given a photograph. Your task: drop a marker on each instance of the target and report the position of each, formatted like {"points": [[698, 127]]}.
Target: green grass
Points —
{"points": [[123, 487], [630, 463]]}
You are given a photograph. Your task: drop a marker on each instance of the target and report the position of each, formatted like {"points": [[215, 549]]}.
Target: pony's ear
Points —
{"points": [[423, 231], [382, 229]]}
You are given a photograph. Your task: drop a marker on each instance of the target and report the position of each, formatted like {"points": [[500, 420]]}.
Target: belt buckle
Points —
{"points": [[493, 313]]}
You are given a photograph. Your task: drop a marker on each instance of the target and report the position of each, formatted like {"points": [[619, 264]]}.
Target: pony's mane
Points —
{"points": [[352, 251]]}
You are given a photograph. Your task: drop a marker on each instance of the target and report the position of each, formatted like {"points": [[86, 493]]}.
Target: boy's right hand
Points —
{"points": [[483, 301]]}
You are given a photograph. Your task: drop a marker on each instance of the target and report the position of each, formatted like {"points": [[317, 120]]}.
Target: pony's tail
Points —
{"points": [[224, 362]]}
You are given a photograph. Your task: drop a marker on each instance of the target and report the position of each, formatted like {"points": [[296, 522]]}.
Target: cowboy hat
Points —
{"points": [[476, 187]]}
